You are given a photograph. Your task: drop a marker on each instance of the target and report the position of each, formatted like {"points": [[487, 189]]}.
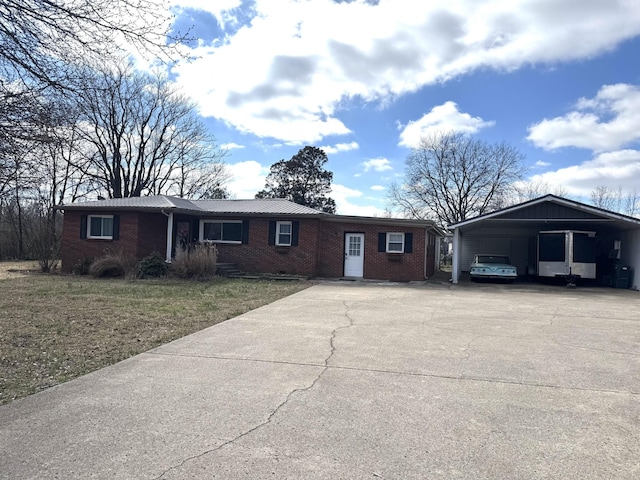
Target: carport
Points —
{"points": [[513, 231]]}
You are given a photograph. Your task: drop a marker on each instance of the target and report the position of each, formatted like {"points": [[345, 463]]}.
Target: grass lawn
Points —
{"points": [[54, 327]]}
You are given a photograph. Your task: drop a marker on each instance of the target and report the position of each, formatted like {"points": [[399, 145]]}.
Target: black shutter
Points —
{"points": [[382, 242], [272, 232], [408, 242], [83, 226], [245, 231], [295, 229], [116, 227]]}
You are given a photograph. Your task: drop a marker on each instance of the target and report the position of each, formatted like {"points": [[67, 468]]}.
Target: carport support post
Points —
{"points": [[455, 262], [169, 235]]}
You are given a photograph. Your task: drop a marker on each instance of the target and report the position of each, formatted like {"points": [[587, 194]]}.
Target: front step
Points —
{"points": [[229, 270]]}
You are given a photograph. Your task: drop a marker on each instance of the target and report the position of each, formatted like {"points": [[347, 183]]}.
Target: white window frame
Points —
{"points": [[279, 242], [99, 237], [203, 222], [389, 234]]}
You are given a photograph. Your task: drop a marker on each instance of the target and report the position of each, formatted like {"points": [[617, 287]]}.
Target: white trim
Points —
{"points": [[99, 237], [455, 262], [169, 237], [388, 241], [278, 242], [217, 220]]}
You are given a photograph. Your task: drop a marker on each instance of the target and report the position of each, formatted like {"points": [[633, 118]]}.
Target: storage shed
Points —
{"points": [[514, 230]]}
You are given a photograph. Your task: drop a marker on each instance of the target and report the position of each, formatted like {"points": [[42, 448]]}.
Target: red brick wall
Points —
{"points": [[151, 235], [399, 267], [257, 256], [140, 234], [320, 250]]}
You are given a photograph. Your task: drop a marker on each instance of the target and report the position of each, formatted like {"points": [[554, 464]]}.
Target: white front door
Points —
{"points": [[354, 255]]}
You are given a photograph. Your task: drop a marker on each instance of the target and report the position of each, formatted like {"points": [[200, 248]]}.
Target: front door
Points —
{"points": [[354, 255]]}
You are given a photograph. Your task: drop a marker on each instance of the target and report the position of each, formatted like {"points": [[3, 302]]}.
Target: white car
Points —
{"points": [[492, 266]]}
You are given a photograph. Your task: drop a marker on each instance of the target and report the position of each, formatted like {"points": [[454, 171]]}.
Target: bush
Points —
{"points": [[113, 264], [199, 262], [152, 266], [81, 267]]}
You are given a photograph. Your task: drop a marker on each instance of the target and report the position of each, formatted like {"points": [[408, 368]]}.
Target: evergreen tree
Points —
{"points": [[302, 180]]}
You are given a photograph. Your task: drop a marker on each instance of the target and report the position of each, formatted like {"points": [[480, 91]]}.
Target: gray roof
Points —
{"points": [[274, 206], [265, 205]]}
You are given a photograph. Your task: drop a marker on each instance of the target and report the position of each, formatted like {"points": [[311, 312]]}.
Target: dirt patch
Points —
{"points": [[16, 269]]}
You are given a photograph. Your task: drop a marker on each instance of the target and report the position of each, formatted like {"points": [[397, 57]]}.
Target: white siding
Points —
{"points": [[517, 248]]}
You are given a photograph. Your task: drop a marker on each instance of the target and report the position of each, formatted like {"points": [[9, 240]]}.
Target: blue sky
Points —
{"points": [[558, 80]]}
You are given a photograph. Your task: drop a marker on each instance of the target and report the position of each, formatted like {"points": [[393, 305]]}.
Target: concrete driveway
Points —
{"points": [[359, 381]]}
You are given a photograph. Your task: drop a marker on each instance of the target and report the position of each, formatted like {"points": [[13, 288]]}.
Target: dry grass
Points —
{"points": [[54, 328]]}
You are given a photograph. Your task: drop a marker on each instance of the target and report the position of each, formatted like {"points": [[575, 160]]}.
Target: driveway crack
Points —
{"points": [[282, 404]]}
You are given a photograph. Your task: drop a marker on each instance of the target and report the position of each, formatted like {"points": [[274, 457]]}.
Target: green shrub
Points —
{"points": [[152, 266], [199, 262]]}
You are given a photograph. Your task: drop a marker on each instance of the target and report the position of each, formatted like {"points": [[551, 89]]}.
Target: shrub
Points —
{"points": [[113, 264], [152, 266], [81, 267], [199, 262]]}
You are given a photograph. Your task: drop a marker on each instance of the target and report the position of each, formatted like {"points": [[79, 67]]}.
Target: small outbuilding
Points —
{"points": [[515, 231], [272, 236]]}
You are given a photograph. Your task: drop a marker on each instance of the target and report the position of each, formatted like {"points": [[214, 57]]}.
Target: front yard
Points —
{"points": [[54, 328]]}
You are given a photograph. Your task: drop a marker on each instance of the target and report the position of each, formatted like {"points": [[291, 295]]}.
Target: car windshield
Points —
{"points": [[492, 259]]}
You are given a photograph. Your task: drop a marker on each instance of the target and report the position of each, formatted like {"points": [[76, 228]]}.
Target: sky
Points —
{"points": [[559, 80]]}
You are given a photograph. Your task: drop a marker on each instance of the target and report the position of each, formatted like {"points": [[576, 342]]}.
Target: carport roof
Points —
{"points": [[550, 212]]}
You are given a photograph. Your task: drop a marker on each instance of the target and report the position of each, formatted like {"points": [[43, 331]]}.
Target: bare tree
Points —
{"points": [[616, 200], [528, 190], [40, 39], [451, 177], [141, 136]]}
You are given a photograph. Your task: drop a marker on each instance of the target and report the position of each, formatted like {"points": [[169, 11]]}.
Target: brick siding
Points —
{"points": [[399, 267], [257, 256], [140, 234], [319, 253]]}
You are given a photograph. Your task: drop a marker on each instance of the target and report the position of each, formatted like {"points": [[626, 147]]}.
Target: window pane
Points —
{"points": [[284, 239], [232, 232], [285, 228], [395, 242], [95, 229], [354, 246], [107, 227], [212, 231]]}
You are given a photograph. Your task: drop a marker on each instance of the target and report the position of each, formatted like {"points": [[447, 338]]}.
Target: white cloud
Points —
{"points": [[248, 179], [231, 146], [378, 188], [344, 205], [296, 63], [340, 147], [609, 121], [542, 164], [614, 169], [443, 118], [377, 164]]}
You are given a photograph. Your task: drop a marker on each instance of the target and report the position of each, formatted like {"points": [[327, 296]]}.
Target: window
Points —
{"points": [[229, 231], [395, 242], [283, 233], [100, 226]]}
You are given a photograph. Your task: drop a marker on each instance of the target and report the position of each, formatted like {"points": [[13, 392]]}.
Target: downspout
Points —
{"points": [[169, 235]]}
